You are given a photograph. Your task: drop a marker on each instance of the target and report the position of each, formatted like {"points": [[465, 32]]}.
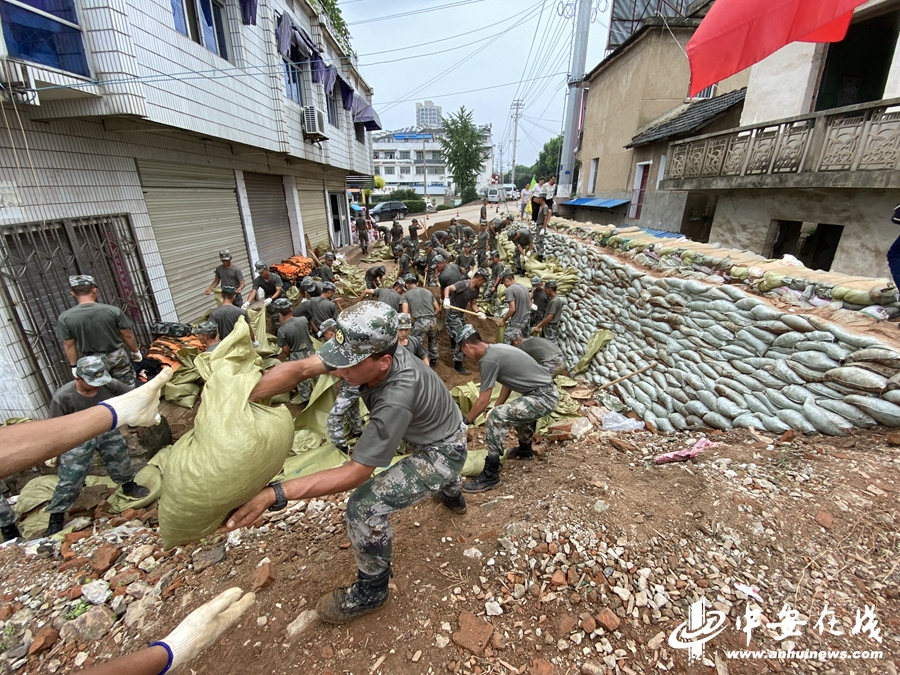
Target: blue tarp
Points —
{"points": [[355, 207], [591, 203]]}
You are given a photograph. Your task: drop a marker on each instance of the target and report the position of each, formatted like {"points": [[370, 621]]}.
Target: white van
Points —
{"points": [[511, 192], [496, 194]]}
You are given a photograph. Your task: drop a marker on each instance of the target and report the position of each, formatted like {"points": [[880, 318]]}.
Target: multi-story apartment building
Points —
{"points": [[410, 158], [142, 136], [428, 114]]}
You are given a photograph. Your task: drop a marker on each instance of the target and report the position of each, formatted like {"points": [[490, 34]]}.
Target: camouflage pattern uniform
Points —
{"points": [[304, 389], [454, 322], [539, 234], [551, 332], [427, 326], [75, 464], [522, 415], [119, 365], [514, 330], [427, 469], [345, 410], [554, 364], [7, 515]]}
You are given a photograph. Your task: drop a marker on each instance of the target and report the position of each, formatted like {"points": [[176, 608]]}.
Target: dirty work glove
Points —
{"points": [[245, 305], [140, 407], [446, 303], [137, 357], [202, 627], [268, 301], [534, 308], [481, 315]]}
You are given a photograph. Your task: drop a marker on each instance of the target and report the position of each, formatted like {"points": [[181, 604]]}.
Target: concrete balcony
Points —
{"points": [[853, 147]]}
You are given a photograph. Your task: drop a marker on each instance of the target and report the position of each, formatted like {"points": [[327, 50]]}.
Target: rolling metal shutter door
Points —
{"points": [[271, 225], [311, 195], [194, 213]]}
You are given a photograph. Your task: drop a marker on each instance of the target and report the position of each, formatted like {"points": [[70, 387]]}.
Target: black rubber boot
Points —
{"points": [[458, 366], [457, 504], [365, 596], [523, 451], [57, 522], [488, 479], [132, 489], [10, 532]]}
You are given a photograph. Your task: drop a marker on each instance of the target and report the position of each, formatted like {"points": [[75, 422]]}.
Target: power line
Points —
{"points": [[413, 12]]}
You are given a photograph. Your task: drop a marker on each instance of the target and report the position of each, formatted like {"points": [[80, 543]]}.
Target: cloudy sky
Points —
{"points": [[478, 53]]}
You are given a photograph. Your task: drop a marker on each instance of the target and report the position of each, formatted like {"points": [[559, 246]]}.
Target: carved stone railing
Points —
{"points": [[855, 138]]}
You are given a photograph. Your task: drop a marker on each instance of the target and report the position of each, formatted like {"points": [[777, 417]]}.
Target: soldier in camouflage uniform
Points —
{"points": [[517, 372], [8, 518], [295, 344], [91, 387], [420, 304], [408, 402], [345, 411], [545, 352], [462, 295], [92, 328], [518, 316], [552, 319], [522, 242]]}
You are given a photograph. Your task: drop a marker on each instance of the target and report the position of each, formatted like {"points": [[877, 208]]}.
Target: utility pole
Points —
{"points": [[517, 106], [501, 164], [424, 170], [576, 97]]}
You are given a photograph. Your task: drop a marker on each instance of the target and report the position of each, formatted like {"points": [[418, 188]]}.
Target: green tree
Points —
{"points": [[548, 159], [463, 149], [523, 174]]}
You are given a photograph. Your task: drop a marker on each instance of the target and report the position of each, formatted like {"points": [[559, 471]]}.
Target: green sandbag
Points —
{"points": [[598, 341], [36, 494], [465, 396], [292, 293], [150, 478], [563, 381], [315, 414], [235, 448]]}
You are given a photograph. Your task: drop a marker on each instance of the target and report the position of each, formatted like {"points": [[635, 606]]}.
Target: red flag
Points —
{"points": [[738, 33]]}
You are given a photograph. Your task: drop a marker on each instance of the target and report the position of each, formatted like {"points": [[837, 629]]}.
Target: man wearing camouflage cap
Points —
{"points": [[8, 517], [551, 322], [374, 275], [91, 328], [465, 260], [227, 314], [412, 344], [420, 304], [345, 411], [404, 261], [228, 275], [539, 300], [317, 310], [496, 269], [362, 232], [208, 334], [267, 284], [326, 270], [453, 233], [517, 372], [311, 287], [92, 386], [545, 352], [521, 239], [406, 401], [461, 295], [294, 343], [396, 238], [466, 235], [518, 316], [495, 228], [542, 222], [392, 296], [482, 245], [448, 273]]}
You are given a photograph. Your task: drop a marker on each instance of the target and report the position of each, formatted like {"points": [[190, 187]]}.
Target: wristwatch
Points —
{"points": [[280, 500]]}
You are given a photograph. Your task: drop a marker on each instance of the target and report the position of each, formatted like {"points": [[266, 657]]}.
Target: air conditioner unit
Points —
{"points": [[314, 124]]}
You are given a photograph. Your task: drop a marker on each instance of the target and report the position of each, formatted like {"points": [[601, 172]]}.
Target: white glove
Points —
{"points": [[446, 303], [268, 301], [202, 627], [481, 315], [245, 305], [471, 274], [137, 357], [255, 344], [73, 371], [534, 307], [140, 407], [304, 300]]}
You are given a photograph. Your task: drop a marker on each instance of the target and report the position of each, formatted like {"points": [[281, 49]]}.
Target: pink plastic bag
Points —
{"points": [[687, 453]]}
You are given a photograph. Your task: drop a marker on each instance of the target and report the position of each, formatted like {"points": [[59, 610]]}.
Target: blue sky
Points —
{"points": [[486, 45]]}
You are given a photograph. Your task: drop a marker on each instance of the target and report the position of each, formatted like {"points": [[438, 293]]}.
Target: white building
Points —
{"points": [[406, 157], [143, 136], [428, 114]]}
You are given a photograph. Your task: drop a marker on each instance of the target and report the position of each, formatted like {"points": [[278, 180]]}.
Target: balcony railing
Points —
{"points": [[862, 137]]}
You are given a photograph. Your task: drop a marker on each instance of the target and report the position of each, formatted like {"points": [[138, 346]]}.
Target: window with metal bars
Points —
{"points": [[43, 32]]}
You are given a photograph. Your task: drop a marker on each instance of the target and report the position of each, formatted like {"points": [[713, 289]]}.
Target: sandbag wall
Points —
{"points": [[724, 358]]}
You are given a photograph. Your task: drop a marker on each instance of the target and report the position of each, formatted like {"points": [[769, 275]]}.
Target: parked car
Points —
{"points": [[388, 211], [511, 192], [496, 195]]}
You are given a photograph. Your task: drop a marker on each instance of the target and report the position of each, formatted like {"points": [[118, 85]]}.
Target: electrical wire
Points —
{"points": [[471, 91], [413, 12]]}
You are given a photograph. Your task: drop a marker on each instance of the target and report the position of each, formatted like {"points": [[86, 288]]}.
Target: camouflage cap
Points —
{"points": [[224, 254], [363, 330], [207, 328], [281, 304], [382, 270], [551, 284], [308, 284], [468, 330], [467, 245], [495, 254], [429, 244], [481, 272], [329, 257], [328, 286], [260, 266], [511, 234], [535, 281], [507, 273], [327, 324], [399, 282], [229, 290], [92, 369], [404, 320], [438, 259], [411, 279], [81, 280]]}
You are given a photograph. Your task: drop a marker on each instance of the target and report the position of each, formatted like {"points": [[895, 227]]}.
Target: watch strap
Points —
{"points": [[280, 499]]}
